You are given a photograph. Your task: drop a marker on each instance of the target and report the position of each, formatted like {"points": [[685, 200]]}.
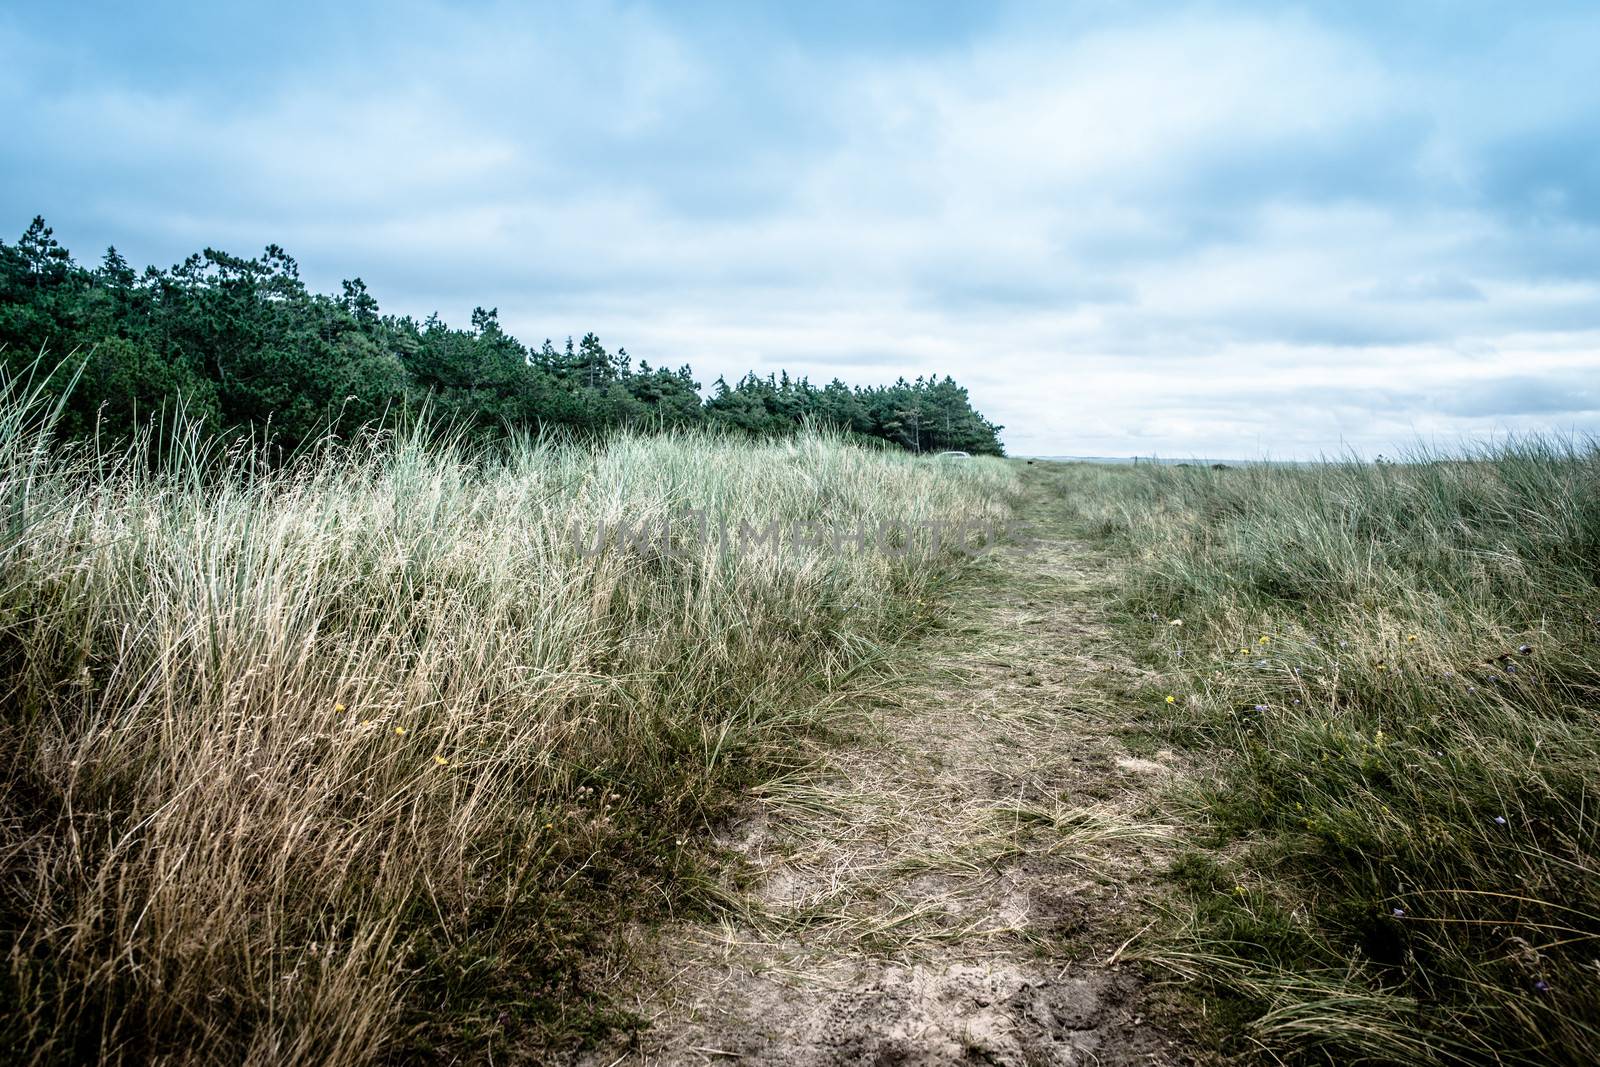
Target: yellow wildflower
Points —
{"points": [[441, 761], [399, 731], [1171, 699]]}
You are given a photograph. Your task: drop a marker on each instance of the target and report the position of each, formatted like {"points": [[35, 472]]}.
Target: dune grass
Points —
{"points": [[374, 755], [1393, 675]]}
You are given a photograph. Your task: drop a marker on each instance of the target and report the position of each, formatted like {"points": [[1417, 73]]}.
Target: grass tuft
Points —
{"points": [[1395, 672], [364, 757]]}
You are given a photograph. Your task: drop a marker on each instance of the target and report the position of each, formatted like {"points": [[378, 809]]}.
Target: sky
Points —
{"points": [[1227, 230]]}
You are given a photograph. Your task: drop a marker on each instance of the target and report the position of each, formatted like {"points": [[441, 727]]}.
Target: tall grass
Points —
{"points": [[367, 757], [1394, 671]]}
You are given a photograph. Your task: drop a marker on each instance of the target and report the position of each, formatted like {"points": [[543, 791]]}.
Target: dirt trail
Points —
{"points": [[954, 885]]}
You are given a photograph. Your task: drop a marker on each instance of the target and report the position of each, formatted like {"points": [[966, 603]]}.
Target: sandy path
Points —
{"points": [[954, 884]]}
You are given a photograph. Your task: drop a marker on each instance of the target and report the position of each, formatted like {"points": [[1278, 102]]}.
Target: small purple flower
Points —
{"points": [[1472, 689], [1261, 707], [1500, 820], [1542, 986], [1297, 701], [1511, 668], [1399, 913], [1526, 650]]}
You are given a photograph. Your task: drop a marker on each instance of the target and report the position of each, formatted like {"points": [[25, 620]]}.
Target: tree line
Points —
{"points": [[242, 343]]}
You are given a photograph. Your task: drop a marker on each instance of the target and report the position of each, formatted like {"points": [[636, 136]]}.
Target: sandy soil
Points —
{"points": [[960, 881]]}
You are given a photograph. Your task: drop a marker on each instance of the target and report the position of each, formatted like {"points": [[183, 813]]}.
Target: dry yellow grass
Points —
{"points": [[365, 755]]}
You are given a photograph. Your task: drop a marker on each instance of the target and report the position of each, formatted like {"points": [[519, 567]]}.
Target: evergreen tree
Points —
{"points": [[242, 343]]}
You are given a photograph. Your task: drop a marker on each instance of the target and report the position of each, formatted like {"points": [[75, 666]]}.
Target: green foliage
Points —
{"points": [[241, 343], [928, 415]]}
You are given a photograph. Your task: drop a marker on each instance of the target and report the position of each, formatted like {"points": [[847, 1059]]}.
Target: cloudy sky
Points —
{"points": [[1200, 229]]}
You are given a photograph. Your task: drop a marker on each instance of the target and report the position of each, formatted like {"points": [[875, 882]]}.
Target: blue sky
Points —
{"points": [[1185, 229]]}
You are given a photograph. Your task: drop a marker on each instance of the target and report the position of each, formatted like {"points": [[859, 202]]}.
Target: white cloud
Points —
{"points": [[1198, 234]]}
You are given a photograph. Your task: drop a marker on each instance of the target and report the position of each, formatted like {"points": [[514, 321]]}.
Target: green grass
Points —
{"points": [[1392, 675], [361, 759]]}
